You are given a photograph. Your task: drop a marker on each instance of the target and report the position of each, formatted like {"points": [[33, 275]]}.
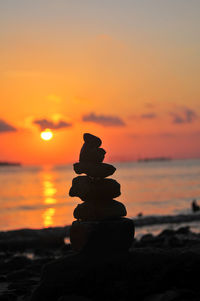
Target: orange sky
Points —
{"points": [[127, 71]]}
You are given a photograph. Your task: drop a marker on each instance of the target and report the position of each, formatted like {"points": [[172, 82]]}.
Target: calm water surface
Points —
{"points": [[36, 197]]}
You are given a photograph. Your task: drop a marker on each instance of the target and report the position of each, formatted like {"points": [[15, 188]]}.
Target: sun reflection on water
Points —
{"points": [[49, 189], [48, 217], [50, 201], [49, 192]]}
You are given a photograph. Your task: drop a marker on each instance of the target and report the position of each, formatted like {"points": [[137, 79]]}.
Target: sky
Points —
{"points": [[125, 70]]}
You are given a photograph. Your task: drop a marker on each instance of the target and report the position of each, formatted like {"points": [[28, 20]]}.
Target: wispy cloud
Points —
{"points": [[186, 116], [104, 120], [165, 135], [6, 127], [149, 105], [153, 135], [148, 116], [49, 124]]}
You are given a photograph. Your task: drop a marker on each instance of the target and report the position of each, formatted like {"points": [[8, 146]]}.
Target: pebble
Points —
{"points": [[91, 211], [87, 189], [98, 170], [91, 154], [92, 140]]}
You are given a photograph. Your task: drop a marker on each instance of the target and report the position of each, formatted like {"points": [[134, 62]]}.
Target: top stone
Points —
{"points": [[92, 140]]}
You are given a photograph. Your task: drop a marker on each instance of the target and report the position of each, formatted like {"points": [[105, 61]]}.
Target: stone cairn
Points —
{"points": [[100, 221], [100, 236]]}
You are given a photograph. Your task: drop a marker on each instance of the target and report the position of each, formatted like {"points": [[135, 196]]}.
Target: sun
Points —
{"points": [[46, 135]]}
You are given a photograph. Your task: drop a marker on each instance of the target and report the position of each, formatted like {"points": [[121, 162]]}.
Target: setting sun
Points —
{"points": [[46, 135]]}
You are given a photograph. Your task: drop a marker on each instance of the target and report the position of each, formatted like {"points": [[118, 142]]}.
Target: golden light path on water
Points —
{"points": [[49, 192], [37, 197]]}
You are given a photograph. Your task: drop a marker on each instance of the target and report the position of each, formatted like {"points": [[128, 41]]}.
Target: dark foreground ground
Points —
{"points": [[165, 267]]}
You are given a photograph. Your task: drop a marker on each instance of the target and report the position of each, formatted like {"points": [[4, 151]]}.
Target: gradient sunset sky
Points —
{"points": [[127, 71]]}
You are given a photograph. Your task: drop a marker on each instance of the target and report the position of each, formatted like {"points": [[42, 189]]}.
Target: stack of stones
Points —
{"points": [[100, 219]]}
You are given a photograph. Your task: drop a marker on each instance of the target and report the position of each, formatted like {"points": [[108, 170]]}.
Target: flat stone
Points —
{"points": [[92, 140], [95, 211], [81, 185], [88, 189], [91, 154], [115, 235], [98, 170]]}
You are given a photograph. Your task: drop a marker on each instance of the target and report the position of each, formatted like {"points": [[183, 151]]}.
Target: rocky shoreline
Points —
{"points": [[29, 238], [160, 268], [103, 261]]}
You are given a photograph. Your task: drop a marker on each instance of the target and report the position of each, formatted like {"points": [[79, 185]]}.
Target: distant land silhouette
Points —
{"points": [[154, 159], [4, 163]]}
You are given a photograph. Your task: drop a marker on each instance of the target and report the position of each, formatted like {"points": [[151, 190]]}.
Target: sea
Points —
{"points": [[37, 196]]}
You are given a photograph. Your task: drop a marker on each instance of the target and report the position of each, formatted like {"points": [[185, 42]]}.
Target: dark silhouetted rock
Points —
{"points": [[15, 263], [97, 192], [105, 236], [101, 235], [98, 170], [171, 295], [25, 239], [146, 272], [99, 210], [20, 274], [2, 278], [91, 154], [92, 140], [8, 296], [74, 298], [82, 274], [88, 189]]}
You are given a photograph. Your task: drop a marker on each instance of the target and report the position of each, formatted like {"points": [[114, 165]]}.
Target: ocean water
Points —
{"points": [[37, 197]]}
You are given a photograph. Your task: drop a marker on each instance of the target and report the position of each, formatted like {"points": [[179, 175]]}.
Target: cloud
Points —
{"points": [[153, 135], [186, 116], [148, 116], [5, 127], [165, 135], [149, 105], [177, 118], [104, 120], [190, 115], [48, 124]]}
